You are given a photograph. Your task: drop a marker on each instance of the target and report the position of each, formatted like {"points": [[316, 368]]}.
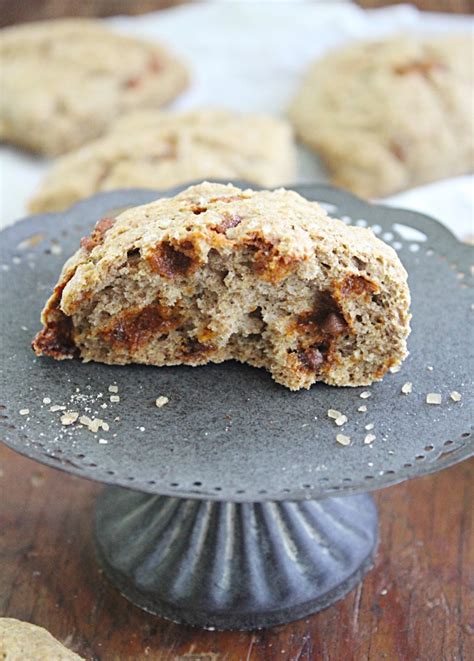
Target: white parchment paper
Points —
{"points": [[251, 56]]}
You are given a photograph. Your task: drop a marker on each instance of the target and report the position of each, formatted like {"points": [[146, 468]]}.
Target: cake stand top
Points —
{"points": [[229, 432]]}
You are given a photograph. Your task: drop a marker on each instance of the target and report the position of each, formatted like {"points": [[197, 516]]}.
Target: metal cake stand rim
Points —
{"points": [[309, 493]]}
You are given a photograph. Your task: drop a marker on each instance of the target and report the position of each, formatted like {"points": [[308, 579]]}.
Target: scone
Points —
{"points": [[389, 115], [62, 82], [218, 273], [22, 641], [148, 149]]}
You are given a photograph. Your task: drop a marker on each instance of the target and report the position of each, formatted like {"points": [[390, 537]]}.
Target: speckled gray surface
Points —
{"points": [[229, 432]]}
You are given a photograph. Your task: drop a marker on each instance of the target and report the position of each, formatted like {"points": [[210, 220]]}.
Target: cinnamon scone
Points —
{"points": [[388, 115], [149, 149], [218, 273], [22, 641], [62, 82]]}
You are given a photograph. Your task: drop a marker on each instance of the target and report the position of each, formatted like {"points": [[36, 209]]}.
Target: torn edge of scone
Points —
{"points": [[217, 273], [56, 339]]}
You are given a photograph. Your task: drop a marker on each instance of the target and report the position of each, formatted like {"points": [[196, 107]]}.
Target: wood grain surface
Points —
{"points": [[15, 11], [416, 604], [453, 6]]}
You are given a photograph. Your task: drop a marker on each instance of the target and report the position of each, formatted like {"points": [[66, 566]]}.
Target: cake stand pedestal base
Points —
{"points": [[228, 565]]}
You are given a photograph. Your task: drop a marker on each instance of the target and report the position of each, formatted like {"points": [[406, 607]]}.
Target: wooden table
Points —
{"points": [[13, 12], [454, 6], [417, 603]]}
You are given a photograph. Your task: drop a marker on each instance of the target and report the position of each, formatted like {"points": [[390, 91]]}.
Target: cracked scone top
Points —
{"points": [[217, 273], [391, 114], [64, 81]]}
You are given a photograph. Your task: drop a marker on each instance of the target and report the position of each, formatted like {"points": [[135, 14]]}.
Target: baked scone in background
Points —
{"points": [[149, 149], [62, 82], [22, 641], [215, 273], [391, 114]]}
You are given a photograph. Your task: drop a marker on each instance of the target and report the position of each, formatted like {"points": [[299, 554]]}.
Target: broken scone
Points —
{"points": [[218, 273]]}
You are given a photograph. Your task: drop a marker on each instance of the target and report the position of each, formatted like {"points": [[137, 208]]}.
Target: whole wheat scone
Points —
{"points": [[151, 149], [22, 641], [392, 114], [215, 273], [62, 82]]}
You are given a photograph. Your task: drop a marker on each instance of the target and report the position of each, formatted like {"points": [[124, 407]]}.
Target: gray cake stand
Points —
{"points": [[233, 506]]}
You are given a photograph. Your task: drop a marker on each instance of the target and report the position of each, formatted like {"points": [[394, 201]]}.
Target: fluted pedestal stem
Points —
{"points": [[234, 566]]}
